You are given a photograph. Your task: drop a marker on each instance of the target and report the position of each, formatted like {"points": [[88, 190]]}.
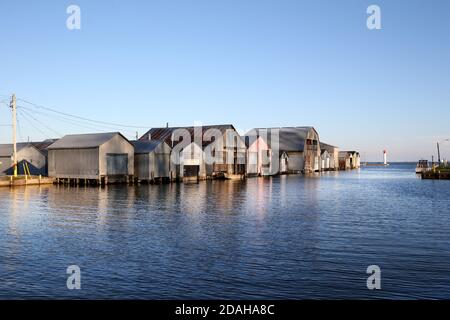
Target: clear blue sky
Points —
{"points": [[252, 63]]}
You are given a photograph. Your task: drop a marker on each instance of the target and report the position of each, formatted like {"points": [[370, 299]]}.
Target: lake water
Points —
{"points": [[288, 237]]}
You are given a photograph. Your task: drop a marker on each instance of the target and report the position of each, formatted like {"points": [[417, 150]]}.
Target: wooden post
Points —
{"points": [[14, 124]]}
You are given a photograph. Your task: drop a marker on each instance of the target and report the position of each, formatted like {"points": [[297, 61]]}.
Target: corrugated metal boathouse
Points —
{"points": [[283, 150], [29, 157], [215, 141], [100, 158], [151, 161], [330, 157]]}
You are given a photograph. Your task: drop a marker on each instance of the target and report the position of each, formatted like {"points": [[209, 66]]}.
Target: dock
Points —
{"points": [[10, 181], [437, 174]]}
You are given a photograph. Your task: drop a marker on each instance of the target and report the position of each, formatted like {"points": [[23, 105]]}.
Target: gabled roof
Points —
{"points": [[165, 134], [6, 150], [290, 138], [83, 141], [42, 145], [328, 147], [145, 146], [348, 153]]}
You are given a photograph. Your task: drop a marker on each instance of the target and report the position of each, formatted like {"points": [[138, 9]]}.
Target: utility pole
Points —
{"points": [[14, 124], [439, 155]]}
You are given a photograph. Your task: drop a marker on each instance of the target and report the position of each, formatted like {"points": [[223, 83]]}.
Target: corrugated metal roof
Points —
{"points": [[6, 150], [328, 147], [83, 141], [165, 134], [290, 138], [42, 145], [145, 146]]}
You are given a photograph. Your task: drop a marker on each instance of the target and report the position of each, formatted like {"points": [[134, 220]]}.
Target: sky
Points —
{"points": [[251, 63]]}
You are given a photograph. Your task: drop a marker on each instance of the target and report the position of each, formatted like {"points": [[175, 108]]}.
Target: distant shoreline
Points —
{"points": [[391, 162]]}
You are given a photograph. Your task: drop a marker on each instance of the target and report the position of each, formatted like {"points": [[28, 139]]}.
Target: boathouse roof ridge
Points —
{"points": [[80, 141], [165, 133], [42, 145], [290, 138], [6, 150], [326, 145]]}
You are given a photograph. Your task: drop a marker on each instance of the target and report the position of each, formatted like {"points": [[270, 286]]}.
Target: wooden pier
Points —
{"points": [[437, 174], [10, 181]]}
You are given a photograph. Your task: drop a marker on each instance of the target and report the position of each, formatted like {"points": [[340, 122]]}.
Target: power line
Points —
{"points": [[73, 122], [81, 118], [32, 124], [43, 124], [19, 128]]}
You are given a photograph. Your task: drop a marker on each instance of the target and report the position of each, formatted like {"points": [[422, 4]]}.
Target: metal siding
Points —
{"points": [[252, 166], [74, 163], [116, 164], [295, 161], [141, 165], [5, 164], [160, 164], [34, 157], [118, 145]]}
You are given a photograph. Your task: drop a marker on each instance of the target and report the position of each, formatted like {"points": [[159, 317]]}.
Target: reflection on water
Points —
{"points": [[281, 237]]}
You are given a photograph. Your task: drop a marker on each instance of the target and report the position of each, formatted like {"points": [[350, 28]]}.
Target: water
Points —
{"points": [[287, 237]]}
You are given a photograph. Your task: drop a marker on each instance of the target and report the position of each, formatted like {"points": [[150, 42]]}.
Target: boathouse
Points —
{"points": [[42, 147], [104, 157], [259, 156], [349, 160], [201, 152], [291, 149], [30, 160], [333, 154], [151, 160], [192, 164], [325, 160]]}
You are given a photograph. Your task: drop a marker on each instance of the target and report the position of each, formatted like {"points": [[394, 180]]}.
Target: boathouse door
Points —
{"points": [[283, 163], [116, 164], [191, 171], [316, 163]]}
